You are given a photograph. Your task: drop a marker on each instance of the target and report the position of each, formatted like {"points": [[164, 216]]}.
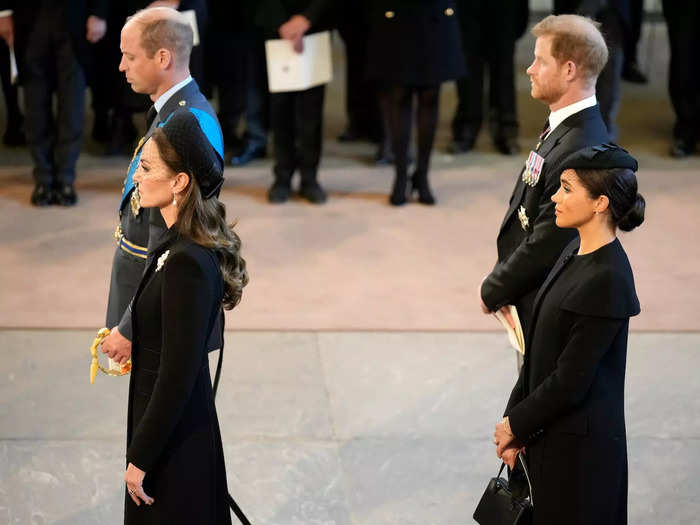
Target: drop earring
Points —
{"points": [[174, 200]]}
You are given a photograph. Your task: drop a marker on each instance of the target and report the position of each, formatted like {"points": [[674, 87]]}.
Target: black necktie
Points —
{"points": [[150, 116]]}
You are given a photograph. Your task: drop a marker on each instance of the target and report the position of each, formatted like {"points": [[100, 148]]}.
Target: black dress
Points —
{"points": [[173, 431], [568, 404]]}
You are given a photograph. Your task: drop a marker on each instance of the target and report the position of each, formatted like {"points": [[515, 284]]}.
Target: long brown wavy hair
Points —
{"points": [[204, 221]]}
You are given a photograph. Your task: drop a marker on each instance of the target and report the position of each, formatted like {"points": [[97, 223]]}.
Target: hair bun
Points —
{"points": [[634, 216]]}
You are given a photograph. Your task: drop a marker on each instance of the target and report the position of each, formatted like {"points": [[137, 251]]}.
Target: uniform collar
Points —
{"points": [[163, 99]]}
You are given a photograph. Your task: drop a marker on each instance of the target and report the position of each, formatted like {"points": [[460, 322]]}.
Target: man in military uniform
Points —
{"points": [[570, 53], [155, 45]]}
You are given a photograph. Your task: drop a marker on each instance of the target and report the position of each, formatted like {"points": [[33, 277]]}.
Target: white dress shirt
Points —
{"points": [[560, 115], [158, 104]]}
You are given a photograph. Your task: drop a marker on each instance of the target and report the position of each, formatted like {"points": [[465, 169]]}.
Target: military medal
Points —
{"points": [[522, 216], [533, 169], [135, 201]]}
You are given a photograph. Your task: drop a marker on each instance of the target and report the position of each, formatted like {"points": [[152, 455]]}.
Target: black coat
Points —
{"points": [[173, 431], [525, 256], [271, 14], [568, 404], [414, 43]]}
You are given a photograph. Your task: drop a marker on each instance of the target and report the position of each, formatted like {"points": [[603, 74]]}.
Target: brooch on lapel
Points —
{"points": [[161, 260], [533, 168], [522, 216]]}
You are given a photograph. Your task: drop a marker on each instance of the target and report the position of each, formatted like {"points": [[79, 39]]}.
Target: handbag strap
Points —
{"points": [[527, 477]]}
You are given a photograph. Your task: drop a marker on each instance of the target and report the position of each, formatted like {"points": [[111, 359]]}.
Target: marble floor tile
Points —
{"points": [[417, 384]]}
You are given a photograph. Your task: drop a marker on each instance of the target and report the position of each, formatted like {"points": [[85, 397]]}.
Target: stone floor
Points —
{"points": [[332, 428], [361, 383]]}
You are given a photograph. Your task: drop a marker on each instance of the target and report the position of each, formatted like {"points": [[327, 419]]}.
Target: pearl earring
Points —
{"points": [[175, 200]]}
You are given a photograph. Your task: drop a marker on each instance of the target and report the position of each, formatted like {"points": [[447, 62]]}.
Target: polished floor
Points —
{"points": [[361, 383]]}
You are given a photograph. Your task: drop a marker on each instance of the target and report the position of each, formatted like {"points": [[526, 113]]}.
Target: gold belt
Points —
{"points": [[129, 247]]}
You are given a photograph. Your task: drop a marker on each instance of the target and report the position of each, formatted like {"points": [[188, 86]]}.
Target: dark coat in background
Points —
{"points": [[414, 43], [567, 406], [526, 255], [271, 14], [173, 431]]}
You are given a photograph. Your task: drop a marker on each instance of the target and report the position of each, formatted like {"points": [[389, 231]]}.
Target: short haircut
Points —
{"points": [[575, 38], [165, 28]]}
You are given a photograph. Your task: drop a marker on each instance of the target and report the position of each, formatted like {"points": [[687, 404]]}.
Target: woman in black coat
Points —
{"points": [[566, 412], [174, 452], [414, 46]]}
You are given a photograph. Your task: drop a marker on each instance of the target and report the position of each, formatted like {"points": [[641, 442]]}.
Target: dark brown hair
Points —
{"points": [[204, 221], [619, 185]]}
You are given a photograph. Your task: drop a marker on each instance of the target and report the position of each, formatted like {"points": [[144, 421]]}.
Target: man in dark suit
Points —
{"points": [[563, 77], [296, 117], [52, 40], [158, 68]]}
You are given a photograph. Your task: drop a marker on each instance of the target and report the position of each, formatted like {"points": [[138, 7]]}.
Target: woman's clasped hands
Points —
{"points": [[507, 445], [134, 485]]}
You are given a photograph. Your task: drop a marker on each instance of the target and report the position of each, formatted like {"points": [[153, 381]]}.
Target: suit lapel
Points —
{"points": [[152, 260], [551, 142]]}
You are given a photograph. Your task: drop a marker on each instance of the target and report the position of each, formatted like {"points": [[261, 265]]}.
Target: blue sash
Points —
{"points": [[211, 130]]}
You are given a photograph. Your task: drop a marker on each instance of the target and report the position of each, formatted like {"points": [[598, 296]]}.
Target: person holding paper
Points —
{"points": [[570, 52], [414, 46], [296, 117], [566, 411]]}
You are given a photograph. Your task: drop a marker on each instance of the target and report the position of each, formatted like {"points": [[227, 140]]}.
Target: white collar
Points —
{"points": [[560, 115], [158, 104]]}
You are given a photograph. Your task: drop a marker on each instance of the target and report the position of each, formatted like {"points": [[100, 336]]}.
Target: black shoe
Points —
{"points": [[313, 192], [65, 195], [507, 145], [460, 146], [682, 148], [42, 195], [279, 192], [420, 186], [398, 192], [248, 154], [632, 73]]}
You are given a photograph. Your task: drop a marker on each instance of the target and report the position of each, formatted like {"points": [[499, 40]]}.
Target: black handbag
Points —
{"points": [[498, 505]]}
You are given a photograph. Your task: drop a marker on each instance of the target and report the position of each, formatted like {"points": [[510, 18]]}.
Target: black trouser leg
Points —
{"points": [[682, 20], [230, 77], [361, 103], [38, 77], [257, 107], [426, 120], [71, 109], [469, 115], [309, 130], [14, 115], [608, 86], [501, 59], [635, 33], [282, 112]]}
